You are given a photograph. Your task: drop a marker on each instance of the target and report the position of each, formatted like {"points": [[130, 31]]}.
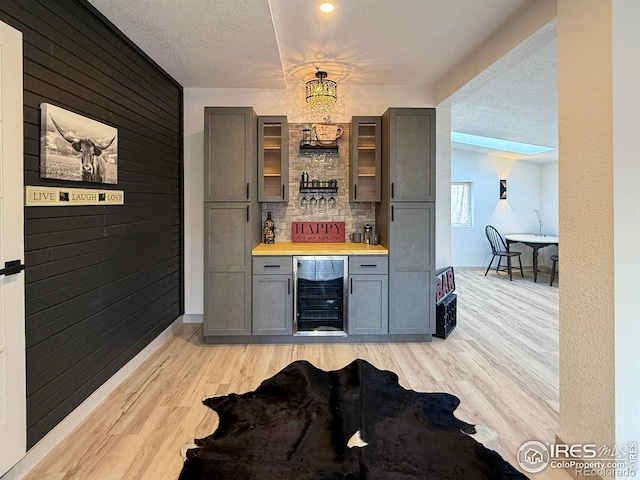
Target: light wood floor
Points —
{"points": [[501, 361]]}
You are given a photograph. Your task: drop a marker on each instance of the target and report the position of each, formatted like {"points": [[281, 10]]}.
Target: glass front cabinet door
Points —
{"points": [[365, 155], [273, 159]]}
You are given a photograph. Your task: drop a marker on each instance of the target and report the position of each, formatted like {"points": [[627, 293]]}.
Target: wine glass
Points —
{"points": [[331, 204], [322, 204], [313, 204], [304, 204]]}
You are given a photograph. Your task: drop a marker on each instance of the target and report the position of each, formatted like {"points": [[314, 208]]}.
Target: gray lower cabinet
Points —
{"points": [[368, 295], [410, 304], [409, 230], [368, 305], [272, 296], [273, 292], [272, 305], [230, 235], [225, 305]]}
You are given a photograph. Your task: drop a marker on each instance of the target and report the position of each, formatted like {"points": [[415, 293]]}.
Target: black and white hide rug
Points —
{"points": [[352, 423]]}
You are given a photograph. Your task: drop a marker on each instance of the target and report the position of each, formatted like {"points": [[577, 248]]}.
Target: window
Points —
{"points": [[462, 204]]}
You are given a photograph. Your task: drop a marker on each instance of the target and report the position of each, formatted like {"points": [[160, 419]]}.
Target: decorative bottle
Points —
{"points": [[366, 235], [269, 230]]}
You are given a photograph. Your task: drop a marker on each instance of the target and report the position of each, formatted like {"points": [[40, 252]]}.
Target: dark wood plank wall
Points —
{"points": [[101, 282]]}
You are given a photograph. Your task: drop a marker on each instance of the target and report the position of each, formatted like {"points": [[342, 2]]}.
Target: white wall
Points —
{"points": [[549, 201], [443, 190], [626, 123], [353, 100], [586, 195], [527, 185]]}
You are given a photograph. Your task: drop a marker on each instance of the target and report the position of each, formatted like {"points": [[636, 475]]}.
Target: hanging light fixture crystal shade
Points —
{"points": [[321, 94]]}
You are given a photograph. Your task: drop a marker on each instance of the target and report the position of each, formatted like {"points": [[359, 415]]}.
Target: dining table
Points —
{"points": [[535, 242]]}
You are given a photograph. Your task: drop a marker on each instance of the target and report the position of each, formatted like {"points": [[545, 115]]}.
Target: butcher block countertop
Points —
{"points": [[346, 248]]}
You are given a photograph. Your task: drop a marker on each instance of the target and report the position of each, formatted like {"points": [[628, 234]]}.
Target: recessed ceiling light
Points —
{"points": [[327, 7], [498, 144]]}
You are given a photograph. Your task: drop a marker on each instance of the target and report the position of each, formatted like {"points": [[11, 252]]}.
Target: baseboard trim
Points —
{"points": [[41, 449], [193, 318]]}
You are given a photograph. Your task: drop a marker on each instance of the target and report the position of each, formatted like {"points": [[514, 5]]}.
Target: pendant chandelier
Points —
{"points": [[321, 94]]}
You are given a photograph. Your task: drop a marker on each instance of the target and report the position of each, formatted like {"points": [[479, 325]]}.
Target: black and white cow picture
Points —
{"points": [[93, 165], [77, 148]]}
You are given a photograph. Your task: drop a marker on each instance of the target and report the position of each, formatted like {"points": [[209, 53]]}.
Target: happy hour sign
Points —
{"points": [[321, 232]]}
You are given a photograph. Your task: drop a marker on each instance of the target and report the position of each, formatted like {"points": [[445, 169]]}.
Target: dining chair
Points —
{"points": [[554, 260], [499, 249]]}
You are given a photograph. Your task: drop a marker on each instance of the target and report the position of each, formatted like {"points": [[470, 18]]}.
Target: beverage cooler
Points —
{"points": [[320, 306]]}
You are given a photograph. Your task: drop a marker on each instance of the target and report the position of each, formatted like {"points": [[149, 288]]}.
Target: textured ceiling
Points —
{"points": [[274, 44], [519, 99], [203, 43], [537, 102], [382, 42]]}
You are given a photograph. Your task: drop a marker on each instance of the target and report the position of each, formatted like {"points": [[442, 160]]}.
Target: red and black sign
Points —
{"points": [[321, 232], [445, 284]]}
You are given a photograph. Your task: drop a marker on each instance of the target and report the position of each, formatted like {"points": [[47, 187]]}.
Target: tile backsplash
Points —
{"points": [[355, 215]]}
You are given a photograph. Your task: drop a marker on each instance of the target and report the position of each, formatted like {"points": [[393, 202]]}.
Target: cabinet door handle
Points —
{"points": [[392, 213], [392, 189], [283, 191], [247, 213], [272, 266], [351, 285], [288, 286], [247, 190], [355, 192]]}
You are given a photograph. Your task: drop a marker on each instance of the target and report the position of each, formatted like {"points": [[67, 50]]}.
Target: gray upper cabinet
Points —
{"points": [[273, 159], [408, 154], [365, 159], [230, 154]]}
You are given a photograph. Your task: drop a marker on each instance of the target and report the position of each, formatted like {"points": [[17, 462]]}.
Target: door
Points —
{"points": [[13, 431]]}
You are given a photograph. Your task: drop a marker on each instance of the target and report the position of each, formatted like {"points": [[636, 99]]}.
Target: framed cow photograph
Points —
{"points": [[77, 148]]}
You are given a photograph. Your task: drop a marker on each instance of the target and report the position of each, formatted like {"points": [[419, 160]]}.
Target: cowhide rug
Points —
{"points": [[305, 423]]}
